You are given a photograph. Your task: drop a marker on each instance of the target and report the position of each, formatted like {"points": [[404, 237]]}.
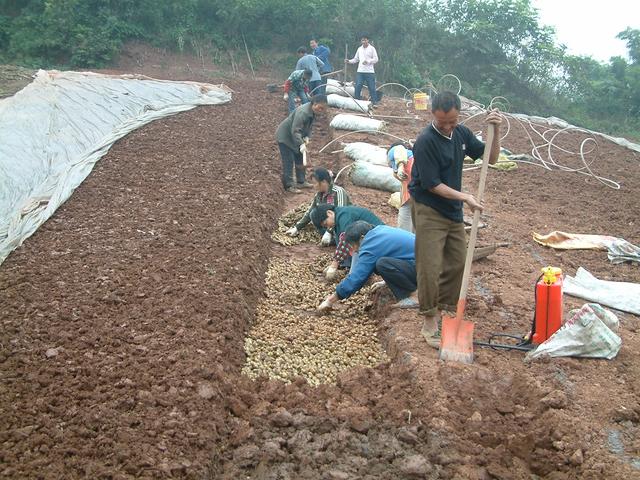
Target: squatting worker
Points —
{"points": [[400, 159], [336, 220], [436, 188], [322, 52], [292, 137], [386, 251], [327, 193], [310, 62], [366, 57]]}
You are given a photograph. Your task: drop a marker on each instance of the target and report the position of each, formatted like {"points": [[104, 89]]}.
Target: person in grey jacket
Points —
{"points": [[292, 137], [313, 63]]}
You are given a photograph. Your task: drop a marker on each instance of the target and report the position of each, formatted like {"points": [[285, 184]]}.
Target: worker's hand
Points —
{"points": [[400, 173], [494, 117], [303, 148], [346, 61], [473, 203], [326, 239], [305, 140], [327, 304], [285, 96], [330, 273], [292, 232], [365, 62]]}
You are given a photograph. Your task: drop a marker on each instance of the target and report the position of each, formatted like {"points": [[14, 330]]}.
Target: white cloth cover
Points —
{"points": [[367, 153], [348, 103], [590, 332], [619, 295], [344, 121], [54, 130], [368, 175]]}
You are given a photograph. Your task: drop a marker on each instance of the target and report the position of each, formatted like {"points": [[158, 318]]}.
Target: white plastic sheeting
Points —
{"points": [[348, 103], [367, 153], [344, 121], [369, 175], [54, 130], [623, 296]]}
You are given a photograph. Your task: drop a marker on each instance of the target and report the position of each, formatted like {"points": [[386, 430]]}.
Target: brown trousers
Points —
{"points": [[441, 247]]}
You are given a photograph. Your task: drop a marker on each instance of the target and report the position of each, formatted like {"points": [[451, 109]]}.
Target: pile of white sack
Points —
{"points": [[348, 103], [344, 89], [344, 121], [370, 168]]}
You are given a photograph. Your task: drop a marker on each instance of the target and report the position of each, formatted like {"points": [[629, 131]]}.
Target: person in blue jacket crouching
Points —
{"points": [[386, 251]]}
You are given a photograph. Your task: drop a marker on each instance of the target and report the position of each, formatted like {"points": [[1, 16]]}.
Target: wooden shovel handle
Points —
{"points": [[476, 219]]}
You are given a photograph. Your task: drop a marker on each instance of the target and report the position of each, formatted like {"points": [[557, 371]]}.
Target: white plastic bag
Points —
{"points": [[374, 176], [623, 296], [334, 86], [588, 333], [344, 121], [348, 103], [367, 153]]}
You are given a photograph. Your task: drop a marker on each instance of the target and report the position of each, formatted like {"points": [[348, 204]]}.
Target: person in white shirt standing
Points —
{"points": [[366, 57]]}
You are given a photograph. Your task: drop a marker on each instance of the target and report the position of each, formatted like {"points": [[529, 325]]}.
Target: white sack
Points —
{"points": [[367, 153], [619, 295], [344, 121], [588, 333], [348, 103], [374, 176], [334, 86], [54, 130]]}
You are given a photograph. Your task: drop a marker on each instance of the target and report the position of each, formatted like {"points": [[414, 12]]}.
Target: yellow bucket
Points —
{"points": [[420, 101]]}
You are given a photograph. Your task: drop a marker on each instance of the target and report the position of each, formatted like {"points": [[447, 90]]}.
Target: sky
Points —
{"points": [[589, 27]]}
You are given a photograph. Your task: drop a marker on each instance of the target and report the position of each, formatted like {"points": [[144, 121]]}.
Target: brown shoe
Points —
{"points": [[292, 190]]}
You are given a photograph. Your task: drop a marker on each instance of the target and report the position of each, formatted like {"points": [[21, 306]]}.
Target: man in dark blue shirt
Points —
{"points": [[436, 188], [322, 52]]}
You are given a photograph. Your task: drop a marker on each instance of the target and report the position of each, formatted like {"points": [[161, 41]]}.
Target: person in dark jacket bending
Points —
{"points": [[292, 137], [386, 251], [337, 220]]}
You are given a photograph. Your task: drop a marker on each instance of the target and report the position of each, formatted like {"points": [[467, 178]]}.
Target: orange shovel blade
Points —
{"points": [[456, 344]]}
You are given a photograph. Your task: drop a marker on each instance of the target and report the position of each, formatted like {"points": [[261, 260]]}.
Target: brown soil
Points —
{"points": [[124, 318]]}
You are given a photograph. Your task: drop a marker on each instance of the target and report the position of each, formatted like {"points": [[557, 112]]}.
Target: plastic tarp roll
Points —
{"points": [[619, 295], [367, 153], [54, 130], [334, 86], [368, 175], [348, 103], [344, 121]]}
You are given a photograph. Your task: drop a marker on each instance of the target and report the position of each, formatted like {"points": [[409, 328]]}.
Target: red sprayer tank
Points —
{"points": [[548, 318]]}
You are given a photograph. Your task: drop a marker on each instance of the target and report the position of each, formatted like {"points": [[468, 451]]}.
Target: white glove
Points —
{"points": [[286, 96], [303, 148], [331, 272], [325, 306], [305, 140], [326, 239], [292, 232]]}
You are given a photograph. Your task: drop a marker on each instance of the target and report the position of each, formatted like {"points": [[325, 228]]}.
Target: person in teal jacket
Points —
{"points": [[336, 219], [383, 250]]}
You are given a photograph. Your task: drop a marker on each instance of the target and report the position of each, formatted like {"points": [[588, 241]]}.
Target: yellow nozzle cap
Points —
{"points": [[550, 274]]}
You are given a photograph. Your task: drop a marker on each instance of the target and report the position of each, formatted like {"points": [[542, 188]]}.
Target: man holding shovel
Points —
{"points": [[436, 187]]}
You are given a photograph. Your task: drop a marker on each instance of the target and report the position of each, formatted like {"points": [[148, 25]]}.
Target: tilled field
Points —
{"points": [[124, 321]]}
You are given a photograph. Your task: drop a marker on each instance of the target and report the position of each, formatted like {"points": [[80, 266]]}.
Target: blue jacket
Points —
{"points": [[323, 52], [381, 241], [311, 62]]}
